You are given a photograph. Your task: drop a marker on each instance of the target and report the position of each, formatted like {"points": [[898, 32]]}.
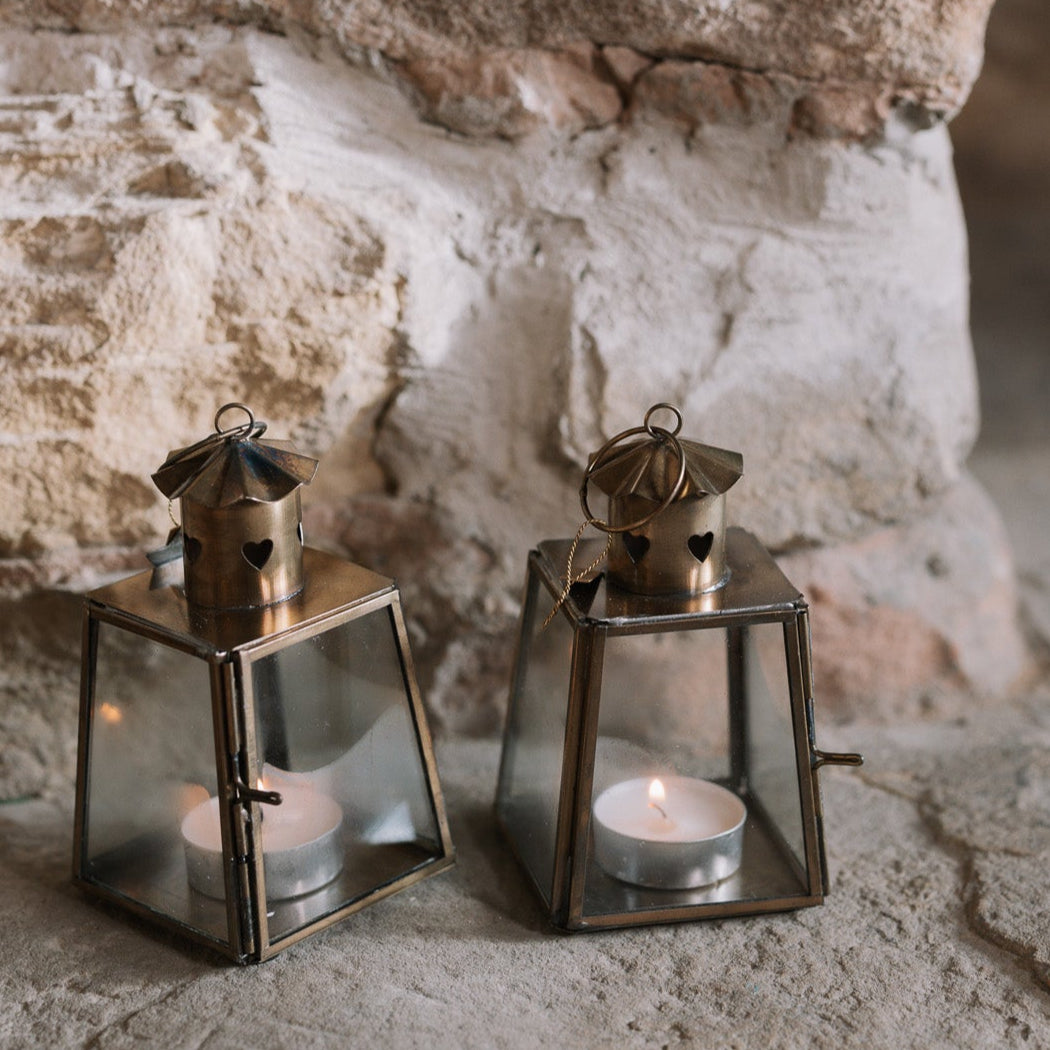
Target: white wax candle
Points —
{"points": [[669, 832], [300, 843]]}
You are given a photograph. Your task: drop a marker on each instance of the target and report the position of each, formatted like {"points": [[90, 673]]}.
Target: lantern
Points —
{"points": [[254, 762], [659, 760]]}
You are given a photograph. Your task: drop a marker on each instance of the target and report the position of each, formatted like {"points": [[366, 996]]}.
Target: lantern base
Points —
{"points": [[156, 867], [763, 874], [766, 879]]}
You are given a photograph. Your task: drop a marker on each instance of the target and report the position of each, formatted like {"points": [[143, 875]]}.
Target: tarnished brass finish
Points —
{"points": [[247, 554], [276, 678], [241, 515], [684, 665], [666, 509], [147, 873], [774, 875], [681, 551]]}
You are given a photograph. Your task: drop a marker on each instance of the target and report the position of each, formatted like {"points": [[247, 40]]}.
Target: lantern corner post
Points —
{"points": [[88, 658], [577, 785], [424, 736]]}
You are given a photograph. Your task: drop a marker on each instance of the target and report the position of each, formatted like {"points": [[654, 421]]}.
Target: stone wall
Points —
{"points": [[451, 251]]}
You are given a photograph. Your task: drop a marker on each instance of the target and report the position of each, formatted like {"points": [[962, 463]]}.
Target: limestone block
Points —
{"points": [[512, 92], [850, 62], [713, 254], [1016, 477], [150, 276], [917, 617]]}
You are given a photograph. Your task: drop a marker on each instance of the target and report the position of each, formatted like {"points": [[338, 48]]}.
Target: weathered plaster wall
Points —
{"points": [[452, 319]]}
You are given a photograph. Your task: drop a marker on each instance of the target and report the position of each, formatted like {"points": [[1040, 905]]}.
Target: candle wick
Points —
{"points": [[663, 812]]}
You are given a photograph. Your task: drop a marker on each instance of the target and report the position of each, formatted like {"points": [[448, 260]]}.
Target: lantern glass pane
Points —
{"points": [[773, 775], [335, 734], [151, 761], [530, 782], [673, 710]]}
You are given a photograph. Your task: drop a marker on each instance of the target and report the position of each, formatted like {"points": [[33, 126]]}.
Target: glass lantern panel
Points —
{"points": [[530, 780], [672, 822], [772, 759], [151, 761], [336, 736]]}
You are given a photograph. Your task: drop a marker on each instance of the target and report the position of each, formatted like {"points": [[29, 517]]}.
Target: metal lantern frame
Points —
{"points": [[300, 662], [551, 827], [336, 593]]}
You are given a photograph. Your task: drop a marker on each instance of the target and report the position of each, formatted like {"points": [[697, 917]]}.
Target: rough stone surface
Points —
{"points": [[572, 232], [200, 214], [1018, 478], [38, 692], [903, 620], [982, 787], [1004, 176], [483, 68], [123, 158], [933, 934]]}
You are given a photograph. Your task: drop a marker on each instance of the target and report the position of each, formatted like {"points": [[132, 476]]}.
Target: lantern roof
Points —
{"points": [[232, 465], [649, 468]]}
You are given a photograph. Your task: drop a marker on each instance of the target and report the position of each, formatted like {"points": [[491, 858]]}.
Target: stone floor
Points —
{"points": [[937, 934]]}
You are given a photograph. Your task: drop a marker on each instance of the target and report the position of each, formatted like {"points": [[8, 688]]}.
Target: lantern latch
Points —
{"points": [[244, 793], [835, 758]]}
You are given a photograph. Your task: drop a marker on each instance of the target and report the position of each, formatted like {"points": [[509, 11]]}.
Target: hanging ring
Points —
{"points": [[659, 434], [249, 429], [652, 431]]}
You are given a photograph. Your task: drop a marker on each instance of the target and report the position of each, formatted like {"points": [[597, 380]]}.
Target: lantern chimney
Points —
{"points": [[666, 508], [242, 544]]}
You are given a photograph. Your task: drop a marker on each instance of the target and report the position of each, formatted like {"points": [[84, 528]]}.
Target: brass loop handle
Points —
{"points": [[249, 429], [660, 435], [651, 430]]}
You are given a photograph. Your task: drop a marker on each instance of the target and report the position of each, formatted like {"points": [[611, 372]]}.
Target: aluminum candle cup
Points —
{"points": [[300, 841], [672, 833]]}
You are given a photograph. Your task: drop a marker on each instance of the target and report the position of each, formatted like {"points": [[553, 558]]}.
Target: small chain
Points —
{"points": [[171, 514], [569, 579]]}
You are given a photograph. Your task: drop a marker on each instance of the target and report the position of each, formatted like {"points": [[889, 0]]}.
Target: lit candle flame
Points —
{"points": [[657, 795], [110, 713]]}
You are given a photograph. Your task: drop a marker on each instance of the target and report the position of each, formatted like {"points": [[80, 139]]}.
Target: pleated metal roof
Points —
{"points": [[232, 466], [649, 468]]}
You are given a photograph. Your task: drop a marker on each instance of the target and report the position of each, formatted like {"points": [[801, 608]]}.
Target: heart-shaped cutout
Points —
{"points": [[700, 546], [191, 548], [636, 546], [257, 554]]}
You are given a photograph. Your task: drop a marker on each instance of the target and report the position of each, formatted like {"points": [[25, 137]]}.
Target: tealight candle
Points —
{"points": [[300, 843], [672, 833]]}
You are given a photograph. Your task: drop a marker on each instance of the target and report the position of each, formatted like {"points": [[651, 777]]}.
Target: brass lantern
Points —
{"points": [[659, 760], [254, 762]]}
